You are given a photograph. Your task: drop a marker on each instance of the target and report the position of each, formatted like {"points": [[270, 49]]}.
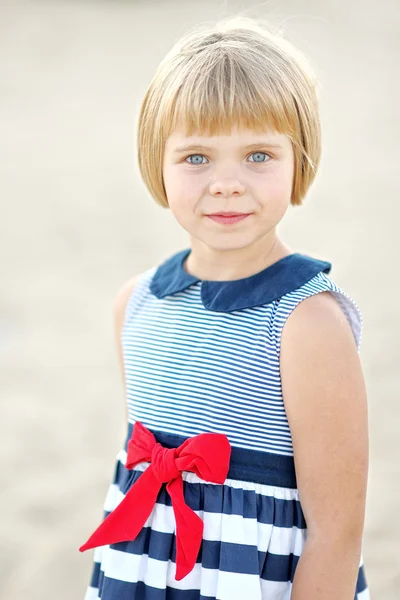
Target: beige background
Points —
{"points": [[77, 222]]}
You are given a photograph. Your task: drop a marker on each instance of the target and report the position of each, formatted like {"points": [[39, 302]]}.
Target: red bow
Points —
{"points": [[207, 455]]}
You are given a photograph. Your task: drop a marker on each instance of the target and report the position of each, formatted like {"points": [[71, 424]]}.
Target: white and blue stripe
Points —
{"points": [[204, 357], [189, 370], [253, 537]]}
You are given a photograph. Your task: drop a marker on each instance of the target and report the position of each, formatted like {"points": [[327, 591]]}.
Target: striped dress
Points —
{"points": [[203, 356]]}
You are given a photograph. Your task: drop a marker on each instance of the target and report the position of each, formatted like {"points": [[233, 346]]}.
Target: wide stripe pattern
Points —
{"points": [[253, 537], [190, 370]]}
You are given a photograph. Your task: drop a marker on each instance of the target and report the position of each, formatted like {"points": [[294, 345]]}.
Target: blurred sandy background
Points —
{"points": [[77, 222]]}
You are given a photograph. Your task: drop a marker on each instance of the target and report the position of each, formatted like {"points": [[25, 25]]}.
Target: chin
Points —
{"points": [[223, 243]]}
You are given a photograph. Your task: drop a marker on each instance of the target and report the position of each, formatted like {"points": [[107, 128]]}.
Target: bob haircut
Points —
{"points": [[234, 73]]}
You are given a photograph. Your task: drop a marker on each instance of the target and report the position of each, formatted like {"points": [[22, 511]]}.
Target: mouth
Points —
{"points": [[227, 214], [228, 218]]}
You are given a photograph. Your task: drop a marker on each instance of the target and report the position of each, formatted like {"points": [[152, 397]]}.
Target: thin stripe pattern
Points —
{"points": [[190, 370]]}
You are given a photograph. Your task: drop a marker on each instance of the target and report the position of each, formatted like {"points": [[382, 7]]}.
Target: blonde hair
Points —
{"points": [[235, 72]]}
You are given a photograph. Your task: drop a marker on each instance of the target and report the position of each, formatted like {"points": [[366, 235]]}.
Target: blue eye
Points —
{"points": [[196, 162], [259, 154], [198, 158]]}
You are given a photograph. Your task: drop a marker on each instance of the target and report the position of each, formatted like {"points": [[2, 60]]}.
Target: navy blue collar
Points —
{"points": [[282, 277]]}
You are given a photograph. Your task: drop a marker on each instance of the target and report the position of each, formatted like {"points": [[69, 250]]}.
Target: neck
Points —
{"points": [[223, 265]]}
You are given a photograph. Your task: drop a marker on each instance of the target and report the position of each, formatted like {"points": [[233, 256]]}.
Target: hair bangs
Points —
{"points": [[227, 97]]}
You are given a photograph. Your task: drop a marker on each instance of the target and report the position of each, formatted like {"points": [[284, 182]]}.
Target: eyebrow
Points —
{"points": [[189, 147]]}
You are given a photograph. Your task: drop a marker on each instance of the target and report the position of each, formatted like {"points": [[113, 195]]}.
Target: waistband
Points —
{"points": [[245, 464]]}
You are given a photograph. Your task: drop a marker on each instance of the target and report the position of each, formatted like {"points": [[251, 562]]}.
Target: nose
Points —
{"points": [[227, 186]]}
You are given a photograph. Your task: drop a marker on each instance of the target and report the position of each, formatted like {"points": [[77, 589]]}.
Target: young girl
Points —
{"points": [[244, 470]]}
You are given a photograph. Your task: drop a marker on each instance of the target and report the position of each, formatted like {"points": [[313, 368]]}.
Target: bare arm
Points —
{"points": [[326, 405], [120, 304]]}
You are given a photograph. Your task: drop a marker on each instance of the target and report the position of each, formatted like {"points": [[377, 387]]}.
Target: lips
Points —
{"points": [[227, 219], [227, 214]]}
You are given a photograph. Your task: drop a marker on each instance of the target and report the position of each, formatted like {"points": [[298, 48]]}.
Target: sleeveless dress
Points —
{"points": [[203, 356]]}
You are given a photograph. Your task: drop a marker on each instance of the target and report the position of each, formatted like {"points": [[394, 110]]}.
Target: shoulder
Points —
{"points": [[131, 294], [319, 360], [125, 290], [318, 337], [121, 299], [319, 299], [315, 316]]}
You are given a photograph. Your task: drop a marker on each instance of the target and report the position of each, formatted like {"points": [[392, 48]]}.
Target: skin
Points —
{"points": [[326, 404], [228, 177], [120, 304], [322, 380]]}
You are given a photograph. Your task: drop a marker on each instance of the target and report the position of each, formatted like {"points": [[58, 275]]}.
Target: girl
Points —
{"points": [[244, 470]]}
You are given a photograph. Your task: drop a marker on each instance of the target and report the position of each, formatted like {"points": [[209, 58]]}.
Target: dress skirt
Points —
{"points": [[254, 533]]}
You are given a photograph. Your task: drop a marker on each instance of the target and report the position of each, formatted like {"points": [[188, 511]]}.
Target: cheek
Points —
{"points": [[274, 194], [182, 188], [180, 196], [279, 181], [278, 187]]}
